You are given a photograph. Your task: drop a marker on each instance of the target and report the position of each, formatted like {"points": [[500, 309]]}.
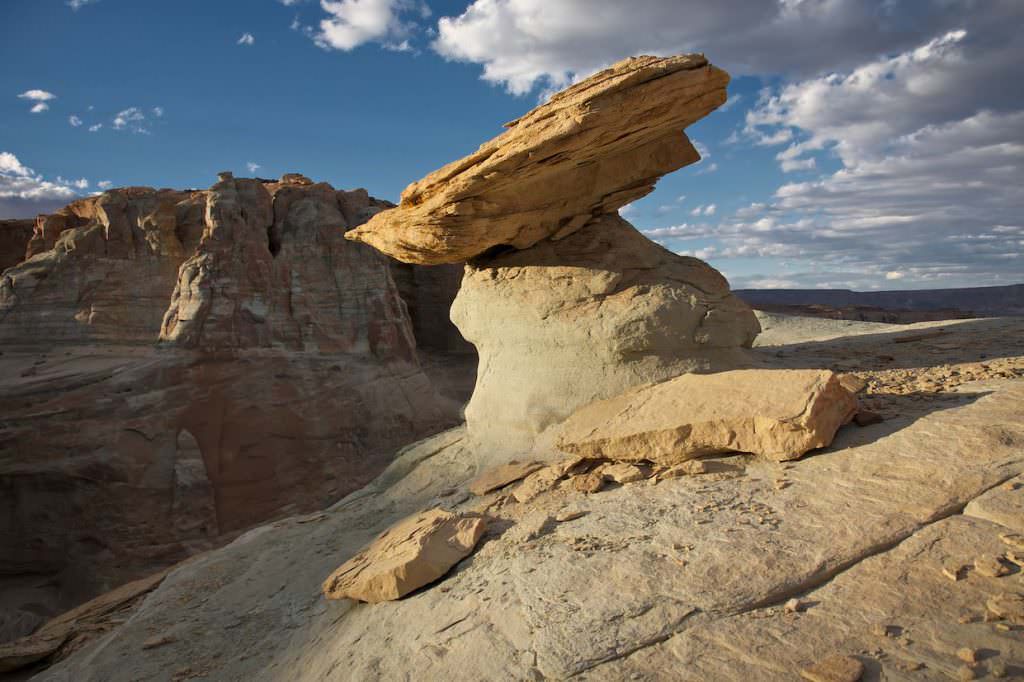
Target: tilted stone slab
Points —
{"points": [[590, 150]]}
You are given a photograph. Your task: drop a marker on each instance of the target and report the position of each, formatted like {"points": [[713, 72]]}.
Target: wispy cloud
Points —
{"points": [[253, 166], [133, 119], [246, 39], [78, 4], [74, 121], [94, 128]]}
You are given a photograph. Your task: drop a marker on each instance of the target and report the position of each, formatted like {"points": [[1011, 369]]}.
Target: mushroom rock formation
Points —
{"points": [[565, 301]]}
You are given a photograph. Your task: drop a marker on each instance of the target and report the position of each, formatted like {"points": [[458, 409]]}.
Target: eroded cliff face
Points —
{"points": [[103, 273], [179, 366]]}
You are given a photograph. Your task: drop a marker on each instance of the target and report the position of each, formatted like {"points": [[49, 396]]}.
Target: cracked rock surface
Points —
{"points": [[683, 578]]}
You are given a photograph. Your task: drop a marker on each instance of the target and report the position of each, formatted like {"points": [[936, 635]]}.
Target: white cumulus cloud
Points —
{"points": [[246, 39], [351, 23], [523, 43], [40, 99], [24, 193]]}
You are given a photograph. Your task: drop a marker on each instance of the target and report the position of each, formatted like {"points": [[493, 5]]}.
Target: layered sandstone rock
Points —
{"points": [[779, 414], [48, 228], [414, 552], [273, 270], [103, 271], [286, 378], [14, 238], [590, 150], [568, 322]]}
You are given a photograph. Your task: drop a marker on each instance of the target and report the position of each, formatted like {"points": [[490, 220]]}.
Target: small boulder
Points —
{"points": [[588, 483], [622, 472], [991, 566], [410, 554], [538, 482]]}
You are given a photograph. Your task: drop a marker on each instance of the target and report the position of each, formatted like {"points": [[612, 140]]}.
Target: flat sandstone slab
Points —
{"points": [[590, 150], [778, 413], [414, 552]]}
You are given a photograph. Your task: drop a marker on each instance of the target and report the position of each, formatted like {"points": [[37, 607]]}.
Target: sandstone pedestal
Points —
{"points": [[568, 322]]}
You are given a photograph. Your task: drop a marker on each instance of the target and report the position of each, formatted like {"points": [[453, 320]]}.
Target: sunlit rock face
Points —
{"points": [[179, 366]]}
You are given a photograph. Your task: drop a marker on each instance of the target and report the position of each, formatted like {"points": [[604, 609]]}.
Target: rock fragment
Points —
{"points": [[967, 655], [538, 482], [953, 571], [1015, 540], [1007, 605], [410, 554], [588, 483], [501, 476], [991, 566], [623, 472]]}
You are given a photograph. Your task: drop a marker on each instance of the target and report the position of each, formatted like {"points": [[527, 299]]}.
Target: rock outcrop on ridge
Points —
{"points": [[102, 272], [564, 300], [588, 151], [180, 366]]}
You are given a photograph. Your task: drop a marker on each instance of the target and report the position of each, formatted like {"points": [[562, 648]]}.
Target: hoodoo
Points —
{"points": [[566, 302]]}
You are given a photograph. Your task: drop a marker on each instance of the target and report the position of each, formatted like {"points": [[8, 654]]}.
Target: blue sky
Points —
{"points": [[865, 145]]}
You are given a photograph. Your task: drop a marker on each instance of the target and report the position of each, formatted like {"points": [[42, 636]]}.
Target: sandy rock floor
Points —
{"points": [[688, 578]]}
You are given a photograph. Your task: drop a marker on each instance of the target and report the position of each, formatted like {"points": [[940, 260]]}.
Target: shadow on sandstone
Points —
{"points": [[901, 411]]}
